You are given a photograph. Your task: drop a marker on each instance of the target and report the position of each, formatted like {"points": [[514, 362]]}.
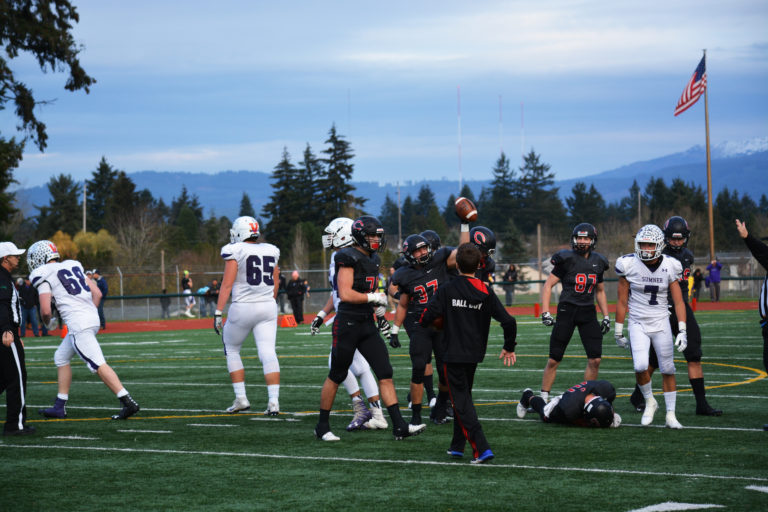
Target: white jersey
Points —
{"points": [[66, 282], [649, 290], [255, 264], [332, 281]]}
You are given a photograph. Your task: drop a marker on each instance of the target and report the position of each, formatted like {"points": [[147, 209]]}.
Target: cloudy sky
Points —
{"points": [[210, 86]]}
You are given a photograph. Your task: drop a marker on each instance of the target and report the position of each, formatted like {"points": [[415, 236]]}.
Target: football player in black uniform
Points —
{"points": [[466, 306], [485, 240], [676, 236], [357, 272], [588, 404], [581, 272]]}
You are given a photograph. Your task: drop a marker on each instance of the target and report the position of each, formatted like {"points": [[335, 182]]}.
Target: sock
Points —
{"points": [[122, 393], [670, 399], [63, 396], [544, 395], [273, 391], [698, 392], [239, 388], [647, 390], [325, 416], [375, 403], [397, 418], [356, 398], [416, 414], [429, 386]]}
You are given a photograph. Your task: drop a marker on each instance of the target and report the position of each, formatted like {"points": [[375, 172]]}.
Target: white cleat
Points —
{"points": [[521, 409], [377, 422], [432, 402], [328, 436], [240, 404], [672, 421], [273, 408], [650, 409]]}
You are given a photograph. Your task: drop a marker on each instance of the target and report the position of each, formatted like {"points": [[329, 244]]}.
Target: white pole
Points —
{"points": [[85, 197], [501, 127], [522, 130], [458, 110]]}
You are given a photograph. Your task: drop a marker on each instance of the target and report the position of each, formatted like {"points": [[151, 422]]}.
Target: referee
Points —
{"points": [[13, 374]]}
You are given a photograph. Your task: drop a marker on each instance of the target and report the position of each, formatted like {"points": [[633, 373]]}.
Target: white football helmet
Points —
{"points": [[244, 228], [338, 233], [650, 234], [40, 253]]}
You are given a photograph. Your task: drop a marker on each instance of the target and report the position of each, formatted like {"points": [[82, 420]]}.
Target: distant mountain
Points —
{"points": [[738, 166]]}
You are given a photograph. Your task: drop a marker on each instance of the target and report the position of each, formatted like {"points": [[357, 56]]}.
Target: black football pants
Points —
{"points": [[13, 381]]}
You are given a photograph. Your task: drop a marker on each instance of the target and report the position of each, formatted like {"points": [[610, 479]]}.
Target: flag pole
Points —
{"points": [[709, 173]]}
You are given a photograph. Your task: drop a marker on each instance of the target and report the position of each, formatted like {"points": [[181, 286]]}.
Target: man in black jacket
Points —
{"points": [[13, 373], [464, 307]]}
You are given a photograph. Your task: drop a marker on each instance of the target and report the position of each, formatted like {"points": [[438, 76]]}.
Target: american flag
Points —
{"points": [[694, 89]]}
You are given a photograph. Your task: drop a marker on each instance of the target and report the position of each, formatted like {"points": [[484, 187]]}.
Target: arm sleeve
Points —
{"points": [[508, 323], [758, 249]]}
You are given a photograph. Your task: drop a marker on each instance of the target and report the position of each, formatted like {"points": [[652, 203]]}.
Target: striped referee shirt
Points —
{"points": [[760, 251]]}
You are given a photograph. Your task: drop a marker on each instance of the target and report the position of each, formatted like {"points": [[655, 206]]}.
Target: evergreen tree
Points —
{"points": [[286, 204], [122, 202], [763, 205], [335, 189], [185, 200], [10, 156], [64, 212], [310, 169], [408, 216], [585, 205], [424, 201], [246, 208], [498, 204], [538, 199], [99, 191], [449, 212], [388, 216]]}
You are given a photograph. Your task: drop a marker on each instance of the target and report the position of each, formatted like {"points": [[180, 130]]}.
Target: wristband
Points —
{"points": [[618, 328], [465, 228], [321, 313], [395, 329], [217, 312], [681, 326]]}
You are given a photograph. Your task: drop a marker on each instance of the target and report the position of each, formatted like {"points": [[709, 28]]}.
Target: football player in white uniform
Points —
{"points": [[338, 234], [76, 297], [252, 277], [646, 279]]}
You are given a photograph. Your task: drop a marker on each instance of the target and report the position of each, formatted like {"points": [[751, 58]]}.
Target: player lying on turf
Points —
{"points": [[587, 404]]}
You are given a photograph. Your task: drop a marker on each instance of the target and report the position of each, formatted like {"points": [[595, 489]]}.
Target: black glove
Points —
{"points": [[605, 325], [383, 325], [394, 342], [547, 319], [316, 324]]}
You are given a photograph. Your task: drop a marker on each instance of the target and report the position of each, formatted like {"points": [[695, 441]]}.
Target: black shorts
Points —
{"points": [[692, 352], [355, 332], [422, 343], [569, 317]]}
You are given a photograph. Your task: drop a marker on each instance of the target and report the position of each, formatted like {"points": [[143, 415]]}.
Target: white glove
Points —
{"points": [[217, 322], [378, 299], [53, 323], [384, 327], [616, 420], [681, 341], [380, 311], [618, 333]]}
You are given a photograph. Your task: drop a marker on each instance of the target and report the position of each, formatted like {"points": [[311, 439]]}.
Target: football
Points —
{"points": [[466, 210]]}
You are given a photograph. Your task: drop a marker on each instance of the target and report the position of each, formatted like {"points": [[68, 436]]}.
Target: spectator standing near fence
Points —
{"points": [[296, 289], [212, 295], [29, 300], [698, 278], [714, 279], [510, 276], [186, 290], [165, 305]]}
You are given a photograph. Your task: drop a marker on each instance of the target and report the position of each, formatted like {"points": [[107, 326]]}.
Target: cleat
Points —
{"points": [[484, 457], [437, 415], [410, 402], [525, 400], [189, 314], [241, 403], [362, 416], [58, 410], [637, 400], [273, 408], [130, 407], [440, 421], [672, 421], [412, 430], [432, 401], [455, 454], [708, 410], [650, 409], [28, 429], [378, 421], [327, 436]]}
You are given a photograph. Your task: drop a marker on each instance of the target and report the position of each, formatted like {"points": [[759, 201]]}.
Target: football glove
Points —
{"points": [[53, 323], [314, 328], [383, 325], [621, 341], [380, 311], [605, 325], [217, 322], [547, 319], [394, 341], [378, 299], [681, 341]]}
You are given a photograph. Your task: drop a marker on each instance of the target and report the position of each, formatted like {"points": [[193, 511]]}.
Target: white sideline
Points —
{"points": [[670, 506], [486, 467]]}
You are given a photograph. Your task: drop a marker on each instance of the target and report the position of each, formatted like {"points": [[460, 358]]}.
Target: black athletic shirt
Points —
{"points": [[421, 282], [572, 401], [685, 257], [366, 276], [579, 275]]}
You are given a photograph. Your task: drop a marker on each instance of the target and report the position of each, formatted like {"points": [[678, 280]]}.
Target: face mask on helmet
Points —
{"points": [[338, 233], [582, 231], [41, 253], [416, 250], [676, 229], [368, 232], [652, 235]]}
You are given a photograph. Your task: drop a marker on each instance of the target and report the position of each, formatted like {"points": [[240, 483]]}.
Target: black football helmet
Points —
{"points": [[484, 239], [365, 228], [584, 229], [433, 238], [598, 412], [676, 227], [411, 244]]}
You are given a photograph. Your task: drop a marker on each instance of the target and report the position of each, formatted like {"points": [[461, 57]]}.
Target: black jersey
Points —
{"points": [[486, 270], [579, 275], [421, 282], [366, 277], [572, 401], [685, 257]]}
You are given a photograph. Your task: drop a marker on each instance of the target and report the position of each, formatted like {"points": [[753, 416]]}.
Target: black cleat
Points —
{"points": [[28, 429], [708, 410], [638, 402], [130, 407], [410, 430]]}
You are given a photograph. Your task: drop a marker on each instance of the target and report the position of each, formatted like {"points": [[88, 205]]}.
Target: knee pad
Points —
{"points": [[234, 363], [62, 356], [337, 376], [271, 364], [417, 375], [668, 368]]}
